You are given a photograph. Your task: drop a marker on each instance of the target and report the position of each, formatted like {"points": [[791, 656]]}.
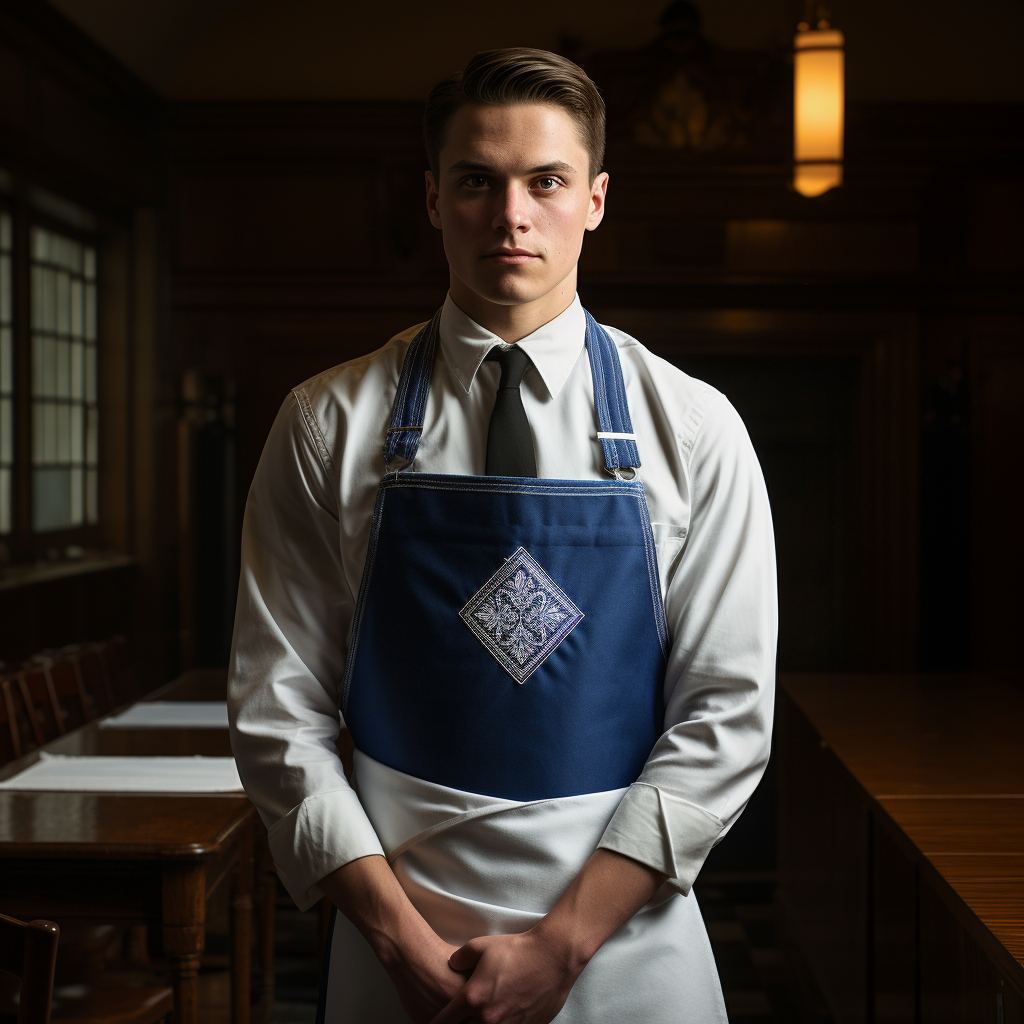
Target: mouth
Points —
{"points": [[511, 256]]}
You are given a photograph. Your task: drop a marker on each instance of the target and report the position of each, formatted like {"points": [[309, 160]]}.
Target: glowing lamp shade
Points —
{"points": [[817, 111]]}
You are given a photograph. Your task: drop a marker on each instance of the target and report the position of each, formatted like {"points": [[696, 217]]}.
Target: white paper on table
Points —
{"points": [[87, 774], [170, 714]]}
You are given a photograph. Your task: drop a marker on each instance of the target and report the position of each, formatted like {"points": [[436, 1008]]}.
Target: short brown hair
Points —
{"points": [[517, 75]]}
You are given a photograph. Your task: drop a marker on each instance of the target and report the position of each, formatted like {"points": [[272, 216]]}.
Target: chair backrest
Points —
{"points": [[93, 675], [40, 703], [116, 660], [10, 740], [29, 952], [72, 705]]}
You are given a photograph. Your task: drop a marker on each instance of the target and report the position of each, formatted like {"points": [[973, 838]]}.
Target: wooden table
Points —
{"points": [[150, 858], [902, 843]]}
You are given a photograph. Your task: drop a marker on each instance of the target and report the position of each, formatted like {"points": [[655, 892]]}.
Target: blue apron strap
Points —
{"points": [[410, 406], [618, 442], [409, 409]]}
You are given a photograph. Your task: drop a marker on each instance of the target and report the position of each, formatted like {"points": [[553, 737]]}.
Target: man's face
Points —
{"points": [[514, 177]]}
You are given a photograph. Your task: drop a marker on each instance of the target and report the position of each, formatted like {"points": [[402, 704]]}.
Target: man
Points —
{"points": [[533, 564]]}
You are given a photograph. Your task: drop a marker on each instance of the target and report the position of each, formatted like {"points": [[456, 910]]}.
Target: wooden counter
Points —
{"points": [[902, 843]]}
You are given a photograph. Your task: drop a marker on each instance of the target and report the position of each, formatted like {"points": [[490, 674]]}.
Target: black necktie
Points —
{"points": [[509, 441]]}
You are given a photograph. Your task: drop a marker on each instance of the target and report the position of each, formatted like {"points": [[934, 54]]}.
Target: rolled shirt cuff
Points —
{"points": [[664, 832], [320, 835]]}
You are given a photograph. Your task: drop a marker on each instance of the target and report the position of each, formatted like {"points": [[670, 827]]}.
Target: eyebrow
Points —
{"points": [[471, 165]]}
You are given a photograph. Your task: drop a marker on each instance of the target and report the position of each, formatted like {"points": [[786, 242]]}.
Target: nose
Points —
{"points": [[512, 213]]}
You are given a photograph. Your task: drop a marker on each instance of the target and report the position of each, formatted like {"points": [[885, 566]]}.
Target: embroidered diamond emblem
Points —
{"points": [[521, 615]]}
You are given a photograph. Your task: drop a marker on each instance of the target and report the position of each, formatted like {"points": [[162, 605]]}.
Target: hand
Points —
{"points": [[516, 979], [416, 958], [424, 980]]}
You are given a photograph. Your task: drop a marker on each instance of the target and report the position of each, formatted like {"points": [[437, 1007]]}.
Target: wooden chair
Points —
{"points": [[42, 718], [93, 674], [10, 740], [117, 663], [29, 952], [71, 704]]}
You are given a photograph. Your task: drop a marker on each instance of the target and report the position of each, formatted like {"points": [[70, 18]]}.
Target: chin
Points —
{"points": [[510, 291]]}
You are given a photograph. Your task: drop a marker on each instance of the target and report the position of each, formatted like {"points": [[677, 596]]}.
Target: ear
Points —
{"points": [[598, 192], [432, 211]]}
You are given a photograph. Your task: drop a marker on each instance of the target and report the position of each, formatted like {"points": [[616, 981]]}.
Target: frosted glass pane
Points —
{"points": [[6, 431], [77, 496], [49, 299], [77, 370], [63, 303], [77, 309], [51, 499], [38, 432], [92, 496], [49, 366], [90, 312], [5, 501], [6, 312], [92, 437], [77, 433], [64, 369], [38, 354], [89, 265], [5, 231], [64, 433], [40, 244], [49, 432], [74, 256], [90, 373], [6, 360], [37, 298]]}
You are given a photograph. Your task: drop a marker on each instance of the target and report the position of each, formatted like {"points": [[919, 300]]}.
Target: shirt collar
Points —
{"points": [[553, 348]]}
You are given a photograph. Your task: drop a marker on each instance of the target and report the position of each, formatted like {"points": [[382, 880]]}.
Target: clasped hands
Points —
{"points": [[523, 978]]}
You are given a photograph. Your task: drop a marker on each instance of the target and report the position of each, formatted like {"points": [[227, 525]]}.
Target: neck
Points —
{"points": [[512, 323]]}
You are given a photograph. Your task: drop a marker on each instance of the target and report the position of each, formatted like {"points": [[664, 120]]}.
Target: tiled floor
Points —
{"points": [[763, 977]]}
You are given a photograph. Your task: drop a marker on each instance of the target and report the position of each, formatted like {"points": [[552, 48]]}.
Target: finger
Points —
{"points": [[466, 957], [454, 1013]]}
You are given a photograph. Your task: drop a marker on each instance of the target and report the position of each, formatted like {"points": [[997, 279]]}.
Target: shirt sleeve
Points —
{"points": [[287, 662], [722, 610]]}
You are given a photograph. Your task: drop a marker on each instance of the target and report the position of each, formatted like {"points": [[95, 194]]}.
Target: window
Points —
{"points": [[50, 386], [65, 418], [6, 375]]}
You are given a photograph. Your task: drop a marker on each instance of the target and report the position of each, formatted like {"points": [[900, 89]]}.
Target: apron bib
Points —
{"points": [[503, 690]]}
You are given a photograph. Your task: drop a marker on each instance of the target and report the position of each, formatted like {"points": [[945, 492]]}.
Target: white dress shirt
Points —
{"points": [[304, 544]]}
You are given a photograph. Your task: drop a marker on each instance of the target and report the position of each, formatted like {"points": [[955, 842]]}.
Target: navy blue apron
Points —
{"points": [[509, 638]]}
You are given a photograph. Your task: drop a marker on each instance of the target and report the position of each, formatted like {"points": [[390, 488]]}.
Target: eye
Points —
{"points": [[548, 184], [475, 181]]}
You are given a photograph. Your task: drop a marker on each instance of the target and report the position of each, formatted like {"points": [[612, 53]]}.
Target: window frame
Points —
{"points": [[23, 543]]}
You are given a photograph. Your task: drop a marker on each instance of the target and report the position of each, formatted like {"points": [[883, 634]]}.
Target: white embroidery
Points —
{"points": [[521, 615]]}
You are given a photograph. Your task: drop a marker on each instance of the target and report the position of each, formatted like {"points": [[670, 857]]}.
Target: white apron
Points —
{"points": [[475, 865]]}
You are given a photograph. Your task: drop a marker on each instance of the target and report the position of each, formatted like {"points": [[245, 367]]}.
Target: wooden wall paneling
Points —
{"points": [[86, 606], [75, 119], [997, 601], [894, 926], [829, 402], [824, 843], [295, 218]]}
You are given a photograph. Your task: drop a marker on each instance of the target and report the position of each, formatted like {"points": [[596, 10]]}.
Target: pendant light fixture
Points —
{"points": [[818, 107]]}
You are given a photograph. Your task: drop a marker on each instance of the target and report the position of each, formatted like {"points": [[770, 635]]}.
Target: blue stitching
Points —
{"points": [[661, 620], [514, 485]]}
